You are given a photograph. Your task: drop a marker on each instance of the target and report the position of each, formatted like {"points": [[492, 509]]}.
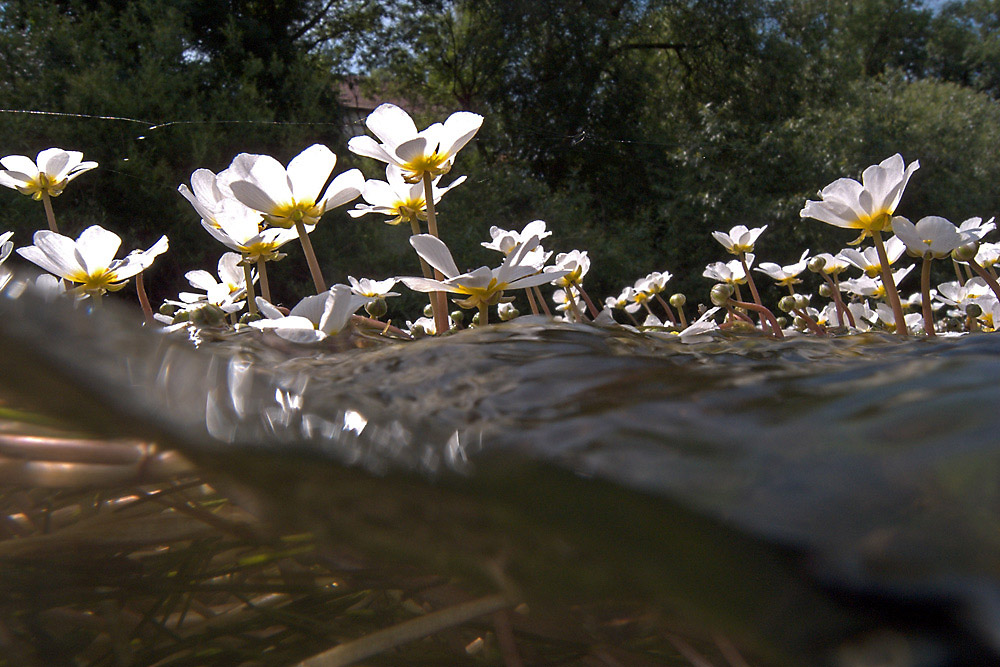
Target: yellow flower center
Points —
{"points": [[286, 215], [434, 164]]}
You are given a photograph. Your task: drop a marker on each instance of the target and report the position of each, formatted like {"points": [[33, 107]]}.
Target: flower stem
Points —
{"points": [[925, 296], [265, 286], [666, 307], [307, 249], [531, 301], [140, 290], [438, 302], [591, 308], [541, 301], [842, 310], [50, 215], [484, 314], [985, 275], [248, 274], [889, 284], [813, 325], [764, 313]]}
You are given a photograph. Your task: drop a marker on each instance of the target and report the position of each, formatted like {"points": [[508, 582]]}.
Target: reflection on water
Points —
{"points": [[877, 458]]}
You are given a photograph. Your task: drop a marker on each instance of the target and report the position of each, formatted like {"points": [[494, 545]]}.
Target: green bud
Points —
{"points": [[782, 321], [799, 323], [418, 331], [475, 319], [376, 308], [457, 316], [964, 253], [168, 310], [247, 318], [720, 294], [678, 300], [428, 311], [973, 310], [817, 264], [801, 301], [825, 291], [208, 316], [786, 303]]}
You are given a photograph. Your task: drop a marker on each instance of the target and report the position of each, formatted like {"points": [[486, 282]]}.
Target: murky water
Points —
{"points": [[805, 493]]}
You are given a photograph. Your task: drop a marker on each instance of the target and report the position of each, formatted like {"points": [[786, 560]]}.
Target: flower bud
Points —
{"points": [[825, 291], [428, 311], [964, 253], [786, 303], [782, 322], [376, 308], [817, 264], [973, 310], [168, 309], [678, 300], [801, 301], [721, 294], [457, 316]]}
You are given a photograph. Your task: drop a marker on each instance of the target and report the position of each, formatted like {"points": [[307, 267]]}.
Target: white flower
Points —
{"points": [[785, 275], [974, 229], [571, 266], [314, 318], [227, 292], [373, 289], [394, 197], [484, 286], [932, 236], [415, 153], [914, 322], [655, 282], [504, 241], [89, 261], [289, 196], [739, 239], [730, 272], [867, 260], [145, 258], [231, 222], [867, 205], [47, 174]]}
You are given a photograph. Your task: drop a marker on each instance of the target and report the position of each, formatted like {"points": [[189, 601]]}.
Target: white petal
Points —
{"points": [[346, 187], [97, 247], [391, 125], [309, 170], [435, 253]]}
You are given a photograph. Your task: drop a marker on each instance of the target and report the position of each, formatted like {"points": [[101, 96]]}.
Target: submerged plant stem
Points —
{"points": [[310, 254], [407, 631]]}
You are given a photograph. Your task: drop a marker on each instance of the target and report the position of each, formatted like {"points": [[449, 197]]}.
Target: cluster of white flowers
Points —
{"points": [[257, 205]]}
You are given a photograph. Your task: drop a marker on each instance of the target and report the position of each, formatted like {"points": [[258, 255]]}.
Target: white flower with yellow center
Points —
{"points": [[932, 236], [868, 205], [46, 174], [430, 151], [286, 196], [785, 275], [867, 260], [571, 266], [397, 199], [730, 272], [482, 287], [739, 240], [314, 318], [227, 292], [89, 260]]}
